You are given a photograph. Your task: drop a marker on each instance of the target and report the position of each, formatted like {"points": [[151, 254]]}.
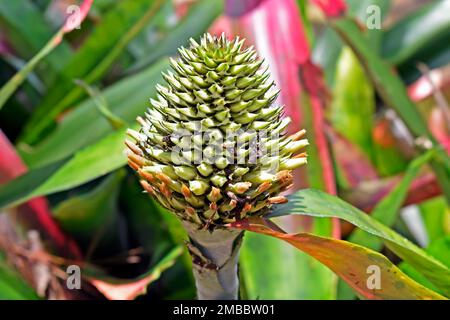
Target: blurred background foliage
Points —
{"points": [[371, 98]]}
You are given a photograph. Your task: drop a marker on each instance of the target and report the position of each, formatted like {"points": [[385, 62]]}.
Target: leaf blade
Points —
{"points": [[319, 204], [336, 254]]}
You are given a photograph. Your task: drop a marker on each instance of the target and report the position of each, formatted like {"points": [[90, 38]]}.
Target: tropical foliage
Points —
{"points": [[367, 217]]}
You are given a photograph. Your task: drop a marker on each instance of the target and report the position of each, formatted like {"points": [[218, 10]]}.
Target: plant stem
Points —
{"points": [[215, 258]]}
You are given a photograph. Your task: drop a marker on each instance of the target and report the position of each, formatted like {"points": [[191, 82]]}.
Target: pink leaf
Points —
{"points": [[36, 211], [349, 261], [331, 8]]}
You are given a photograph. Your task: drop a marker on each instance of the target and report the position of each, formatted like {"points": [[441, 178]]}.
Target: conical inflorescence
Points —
{"points": [[213, 148]]}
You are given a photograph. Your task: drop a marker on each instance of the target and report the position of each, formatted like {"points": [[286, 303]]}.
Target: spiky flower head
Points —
{"points": [[213, 148]]}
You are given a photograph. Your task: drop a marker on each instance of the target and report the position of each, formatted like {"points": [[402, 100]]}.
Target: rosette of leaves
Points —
{"points": [[213, 149]]}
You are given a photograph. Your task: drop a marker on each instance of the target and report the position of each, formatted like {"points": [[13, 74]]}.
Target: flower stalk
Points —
{"points": [[215, 258]]}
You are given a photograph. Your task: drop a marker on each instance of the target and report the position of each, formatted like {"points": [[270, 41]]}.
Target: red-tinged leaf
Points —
{"points": [[332, 8], [320, 171], [35, 212], [354, 164], [349, 261], [114, 289]]}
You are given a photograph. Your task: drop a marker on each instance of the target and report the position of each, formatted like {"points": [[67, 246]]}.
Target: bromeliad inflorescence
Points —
{"points": [[212, 149]]}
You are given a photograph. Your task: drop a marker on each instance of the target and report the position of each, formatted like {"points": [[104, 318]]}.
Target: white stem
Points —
{"points": [[215, 258]]}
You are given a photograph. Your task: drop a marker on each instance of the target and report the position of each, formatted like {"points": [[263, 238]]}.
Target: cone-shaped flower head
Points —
{"points": [[212, 148]]}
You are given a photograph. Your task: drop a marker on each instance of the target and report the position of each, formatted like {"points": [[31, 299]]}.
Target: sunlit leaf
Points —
{"points": [[319, 204], [353, 263]]}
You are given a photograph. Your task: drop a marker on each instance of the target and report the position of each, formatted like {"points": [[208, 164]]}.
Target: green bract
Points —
{"points": [[213, 148]]}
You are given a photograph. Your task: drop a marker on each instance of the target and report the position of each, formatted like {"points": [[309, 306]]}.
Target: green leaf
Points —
{"points": [[426, 27], [106, 43], [126, 99], [354, 103], [12, 285], [391, 89], [326, 53], [320, 204], [386, 212], [434, 57], [16, 17], [87, 164], [440, 249], [194, 24], [295, 276], [102, 105], [328, 46], [387, 209], [417, 276], [91, 218], [356, 265], [128, 289]]}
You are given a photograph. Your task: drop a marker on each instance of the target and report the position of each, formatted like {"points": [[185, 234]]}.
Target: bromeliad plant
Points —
{"points": [[213, 150]]}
